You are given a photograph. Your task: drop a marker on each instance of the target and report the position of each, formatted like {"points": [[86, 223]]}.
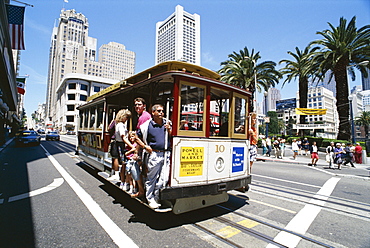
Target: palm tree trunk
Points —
{"points": [[340, 74], [303, 90]]}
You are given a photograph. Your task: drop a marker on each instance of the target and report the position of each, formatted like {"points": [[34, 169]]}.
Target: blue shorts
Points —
{"points": [[133, 168]]}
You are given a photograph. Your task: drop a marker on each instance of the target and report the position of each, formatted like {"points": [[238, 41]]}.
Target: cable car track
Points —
{"points": [[353, 208], [251, 232]]}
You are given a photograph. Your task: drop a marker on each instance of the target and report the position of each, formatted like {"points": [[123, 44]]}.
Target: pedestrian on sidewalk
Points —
{"points": [[264, 146], [299, 143], [314, 153], [295, 148], [349, 155], [277, 148], [338, 155], [282, 147], [330, 155], [305, 146], [358, 154], [268, 145]]}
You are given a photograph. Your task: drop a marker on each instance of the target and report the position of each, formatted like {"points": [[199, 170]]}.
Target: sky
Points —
{"points": [[272, 27]]}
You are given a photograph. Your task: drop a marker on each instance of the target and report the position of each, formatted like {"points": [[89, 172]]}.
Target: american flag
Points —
{"points": [[15, 18]]}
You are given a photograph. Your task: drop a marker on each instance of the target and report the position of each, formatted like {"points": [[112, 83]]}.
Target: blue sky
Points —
{"points": [[271, 27]]}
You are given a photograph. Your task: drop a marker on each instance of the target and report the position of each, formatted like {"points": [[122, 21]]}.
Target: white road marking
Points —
{"points": [[302, 221], [117, 235], [288, 181], [57, 182]]}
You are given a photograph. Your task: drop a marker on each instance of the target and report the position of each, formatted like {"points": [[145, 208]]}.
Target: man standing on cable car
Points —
{"points": [[156, 134]]}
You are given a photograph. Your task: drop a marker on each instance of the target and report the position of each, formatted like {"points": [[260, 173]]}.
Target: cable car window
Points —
{"points": [[86, 116], [219, 114], [81, 118], [100, 111], [112, 111], [192, 107], [92, 117], [239, 115]]}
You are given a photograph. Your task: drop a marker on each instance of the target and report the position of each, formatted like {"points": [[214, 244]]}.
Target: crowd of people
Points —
{"points": [[341, 154], [141, 157], [336, 154]]}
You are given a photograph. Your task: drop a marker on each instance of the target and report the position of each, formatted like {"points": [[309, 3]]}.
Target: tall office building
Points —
{"points": [[328, 83], [366, 81], [73, 51], [178, 38], [272, 97], [117, 62]]}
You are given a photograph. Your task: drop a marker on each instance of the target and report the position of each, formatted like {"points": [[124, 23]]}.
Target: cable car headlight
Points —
{"points": [[220, 164]]}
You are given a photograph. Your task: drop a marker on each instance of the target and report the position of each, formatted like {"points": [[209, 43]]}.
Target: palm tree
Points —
{"points": [[242, 70], [364, 120], [302, 67], [343, 47]]}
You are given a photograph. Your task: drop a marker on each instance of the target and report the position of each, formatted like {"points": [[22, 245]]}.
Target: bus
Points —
{"points": [[206, 161]]}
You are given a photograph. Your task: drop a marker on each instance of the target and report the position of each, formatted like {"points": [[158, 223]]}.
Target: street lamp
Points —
{"points": [[350, 98], [266, 118]]}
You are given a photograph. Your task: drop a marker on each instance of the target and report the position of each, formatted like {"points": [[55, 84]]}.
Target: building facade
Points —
{"points": [[366, 80], [10, 108], [117, 62], [73, 91], [178, 38], [73, 51], [325, 126]]}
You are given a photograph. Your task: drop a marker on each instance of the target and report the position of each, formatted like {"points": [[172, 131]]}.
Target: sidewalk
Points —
{"points": [[361, 171]]}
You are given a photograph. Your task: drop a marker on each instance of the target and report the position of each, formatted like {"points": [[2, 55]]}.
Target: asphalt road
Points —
{"points": [[49, 198]]}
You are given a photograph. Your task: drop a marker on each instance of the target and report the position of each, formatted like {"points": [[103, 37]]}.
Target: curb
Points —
{"points": [[6, 144]]}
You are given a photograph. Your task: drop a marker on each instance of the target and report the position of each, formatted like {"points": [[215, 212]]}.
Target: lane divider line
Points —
{"points": [[117, 235], [302, 221]]}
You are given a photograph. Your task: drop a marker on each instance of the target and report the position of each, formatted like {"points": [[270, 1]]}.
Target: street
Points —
{"points": [[49, 198]]}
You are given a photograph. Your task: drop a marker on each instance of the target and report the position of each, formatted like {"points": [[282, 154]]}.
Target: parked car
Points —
{"points": [[52, 136], [28, 137], [41, 131]]}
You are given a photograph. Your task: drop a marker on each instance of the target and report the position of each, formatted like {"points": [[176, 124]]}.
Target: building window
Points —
{"points": [[96, 88], [83, 98], [70, 107], [70, 118], [71, 97], [72, 86]]}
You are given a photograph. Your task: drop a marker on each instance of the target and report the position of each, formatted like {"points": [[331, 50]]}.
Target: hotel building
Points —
{"points": [[178, 38]]}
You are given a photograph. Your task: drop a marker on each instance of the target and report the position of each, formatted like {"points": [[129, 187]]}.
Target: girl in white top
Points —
{"points": [[295, 148]]}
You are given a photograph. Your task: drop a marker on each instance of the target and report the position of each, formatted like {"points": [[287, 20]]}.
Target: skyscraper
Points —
{"points": [[328, 83], [366, 80], [117, 62], [73, 51], [178, 37]]}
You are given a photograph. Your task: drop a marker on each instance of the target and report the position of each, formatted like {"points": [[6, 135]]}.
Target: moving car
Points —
{"points": [[28, 137], [52, 136]]}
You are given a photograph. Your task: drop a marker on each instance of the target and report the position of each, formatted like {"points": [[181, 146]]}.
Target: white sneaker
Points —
{"points": [[125, 187], [130, 191], [114, 177], [153, 204]]}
